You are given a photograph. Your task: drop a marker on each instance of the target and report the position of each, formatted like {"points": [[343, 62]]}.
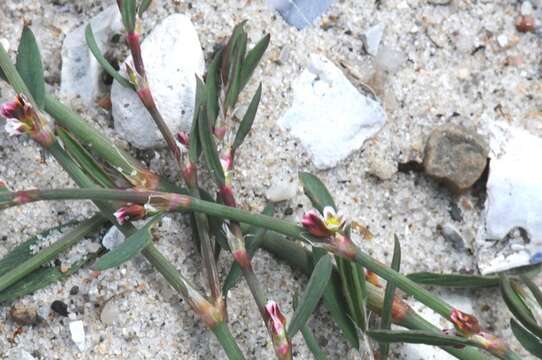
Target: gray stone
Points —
{"points": [[172, 62], [281, 190], [112, 238], [80, 74], [300, 13], [452, 235], [321, 90], [456, 156]]}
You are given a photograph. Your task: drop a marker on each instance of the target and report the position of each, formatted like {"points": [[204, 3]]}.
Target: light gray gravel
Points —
{"points": [[454, 72]]}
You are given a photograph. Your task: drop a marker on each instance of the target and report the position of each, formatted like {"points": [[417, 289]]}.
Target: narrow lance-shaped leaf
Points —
{"points": [[336, 306], [143, 7], [95, 50], [517, 307], [530, 342], [212, 84], [128, 12], [234, 82], [313, 292], [23, 252], [209, 149], [387, 308], [84, 159], [316, 191], [248, 119], [226, 66], [252, 59], [535, 290], [194, 149], [454, 280], [29, 66], [418, 337], [310, 340], [40, 279], [131, 247]]}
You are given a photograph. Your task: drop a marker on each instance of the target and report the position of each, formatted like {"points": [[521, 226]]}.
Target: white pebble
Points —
{"points": [[526, 8], [502, 40], [281, 190], [77, 330]]}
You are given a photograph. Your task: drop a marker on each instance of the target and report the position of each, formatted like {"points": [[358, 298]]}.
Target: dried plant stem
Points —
{"points": [[183, 202]]}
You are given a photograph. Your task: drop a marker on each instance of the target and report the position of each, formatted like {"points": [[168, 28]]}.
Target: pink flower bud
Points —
{"points": [[277, 327], [313, 222], [183, 138], [131, 212]]}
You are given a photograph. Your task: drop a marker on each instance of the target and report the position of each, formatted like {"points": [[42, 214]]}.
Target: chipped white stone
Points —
{"points": [[281, 190], [427, 352], [77, 331], [372, 37], [389, 59], [512, 234], [329, 115], [112, 238], [173, 57], [526, 8], [80, 74], [502, 40]]}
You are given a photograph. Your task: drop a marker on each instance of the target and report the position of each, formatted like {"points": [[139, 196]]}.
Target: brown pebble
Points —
{"points": [[24, 315], [525, 23]]}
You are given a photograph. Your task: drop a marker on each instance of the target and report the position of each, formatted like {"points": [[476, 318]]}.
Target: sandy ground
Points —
{"points": [[453, 71]]}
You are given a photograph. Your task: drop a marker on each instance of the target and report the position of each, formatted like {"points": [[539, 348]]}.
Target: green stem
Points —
{"points": [[223, 334], [49, 253]]}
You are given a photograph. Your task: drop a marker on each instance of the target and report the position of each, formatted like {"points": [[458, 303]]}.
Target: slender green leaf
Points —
{"points": [[212, 85], [252, 59], [209, 149], [517, 306], [128, 12], [234, 83], [84, 159], [253, 243], [310, 340], [144, 6], [131, 247], [95, 50], [248, 119], [194, 149], [454, 280], [535, 290], [418, 337], [40, 279], [387, 308], [29, 66], [530, 342], [316, 191], [335, 304], [226, 67], [23, 252], [313, 292], [357, 287]]}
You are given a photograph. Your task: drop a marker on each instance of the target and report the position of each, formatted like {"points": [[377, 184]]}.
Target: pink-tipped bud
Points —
{"points": [[219, 132], [465, 323], [183, 138], [11, 110], [131, 212], [276, 324], [226, 194]]}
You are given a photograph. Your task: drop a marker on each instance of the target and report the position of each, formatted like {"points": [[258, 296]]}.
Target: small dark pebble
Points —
{"points": [[74, 290], [289, 211], [60, 308], [455, 212]]}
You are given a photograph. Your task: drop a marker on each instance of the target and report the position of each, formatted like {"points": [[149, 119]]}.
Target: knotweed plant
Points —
{"points": [[346, 280]]}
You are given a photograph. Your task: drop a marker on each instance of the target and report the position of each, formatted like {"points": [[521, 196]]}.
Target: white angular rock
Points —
{"points": [[281, 190], [20, 354], [173, 56], [329, 115], [80, 74], [372, 38], [512, 234], [112, 238], [77, 331]]}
